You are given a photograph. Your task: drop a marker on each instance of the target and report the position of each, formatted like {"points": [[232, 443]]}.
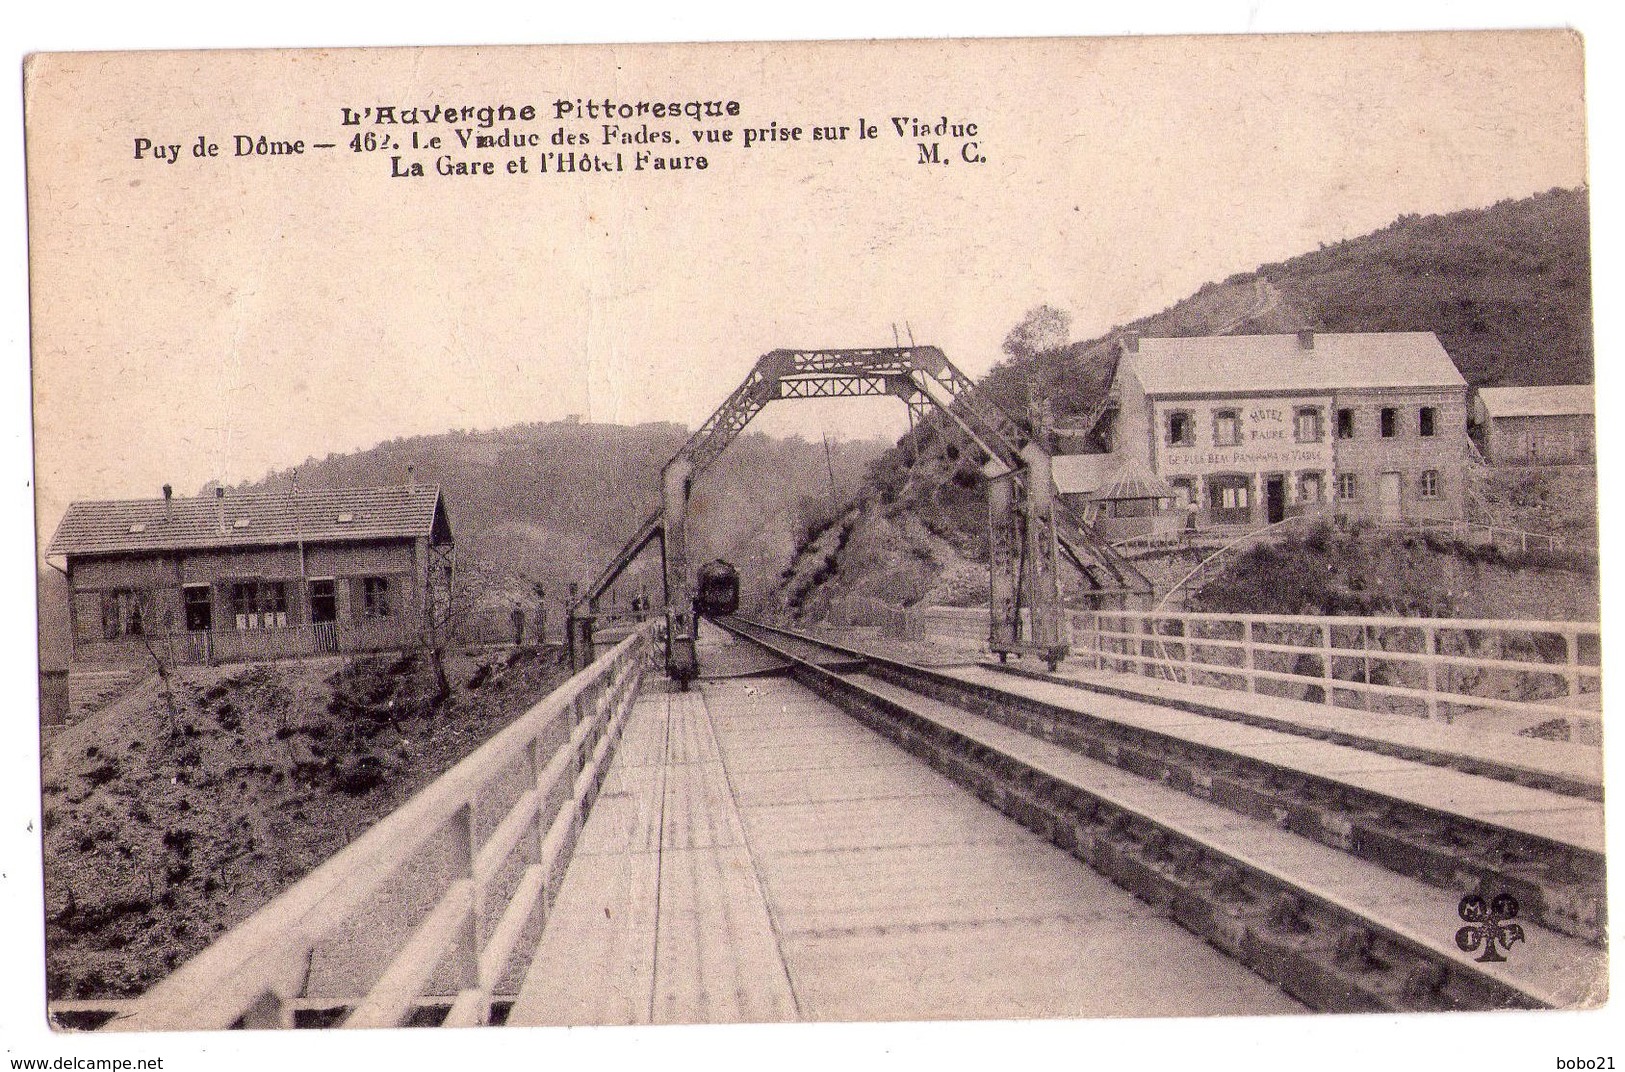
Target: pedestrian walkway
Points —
{"points": [[756, 855]]}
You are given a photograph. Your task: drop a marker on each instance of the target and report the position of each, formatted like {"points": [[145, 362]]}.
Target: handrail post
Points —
{"points": [[1330, 698], [465, 952], [1365, 660], [1571, 652], [1430, 640], [270, 1012], [1249, 654], [538, 827], [1185, 647]]}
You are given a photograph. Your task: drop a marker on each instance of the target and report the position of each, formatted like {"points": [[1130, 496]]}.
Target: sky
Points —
{"points": [[216, 318]]}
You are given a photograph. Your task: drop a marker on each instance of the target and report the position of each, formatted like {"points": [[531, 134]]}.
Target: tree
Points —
{"points": [[1043, 329], [162, 652], [457, 588]]}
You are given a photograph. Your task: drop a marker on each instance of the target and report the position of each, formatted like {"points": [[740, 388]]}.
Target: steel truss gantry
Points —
{"points": [[1027, 523]]}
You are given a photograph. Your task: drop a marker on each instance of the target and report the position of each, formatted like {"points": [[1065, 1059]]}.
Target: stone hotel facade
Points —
{"points": [[1257, 428]]}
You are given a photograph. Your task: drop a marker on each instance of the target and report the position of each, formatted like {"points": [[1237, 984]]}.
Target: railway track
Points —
{"points": [[1291, 855]]}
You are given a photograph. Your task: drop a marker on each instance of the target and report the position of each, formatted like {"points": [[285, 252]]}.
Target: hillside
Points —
{"points": [[162, 829], [1359, 570], [551, 503], [1507, 289]]}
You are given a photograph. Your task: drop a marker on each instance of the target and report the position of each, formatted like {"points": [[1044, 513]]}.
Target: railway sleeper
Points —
{"points": [[1561, 889]]}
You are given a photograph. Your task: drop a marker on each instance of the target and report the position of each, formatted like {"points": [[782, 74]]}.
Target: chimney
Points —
{"points": [[1306, 339], [169, 497], [1130, 342], [409, 481], [220, 506]]}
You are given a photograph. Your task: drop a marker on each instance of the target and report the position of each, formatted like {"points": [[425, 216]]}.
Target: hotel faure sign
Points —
{"points": [[1267, 441]]}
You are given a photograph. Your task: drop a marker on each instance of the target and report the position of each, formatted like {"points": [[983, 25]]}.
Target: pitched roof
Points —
{"points": [[252, 520], [1565, 400], [1215, 364]]}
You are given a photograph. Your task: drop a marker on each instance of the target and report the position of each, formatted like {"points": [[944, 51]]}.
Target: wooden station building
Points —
{"points": [[253, 576]]}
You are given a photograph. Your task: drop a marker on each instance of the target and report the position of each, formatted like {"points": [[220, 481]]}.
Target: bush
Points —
{"points": [[361, 775]]}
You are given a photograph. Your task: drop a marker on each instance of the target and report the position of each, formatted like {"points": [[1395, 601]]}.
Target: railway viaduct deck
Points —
{"points": [[772, 848]]}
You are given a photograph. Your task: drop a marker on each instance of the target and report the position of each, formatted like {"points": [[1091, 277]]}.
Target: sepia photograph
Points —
{"points": [[1074, 530]]}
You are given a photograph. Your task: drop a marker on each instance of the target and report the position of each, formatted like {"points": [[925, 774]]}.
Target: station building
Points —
{"points": [[252, 576], [1253, 429]]}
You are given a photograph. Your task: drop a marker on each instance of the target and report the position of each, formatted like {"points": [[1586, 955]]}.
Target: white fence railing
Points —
{"points": [[1439, 667], [435, 898]]}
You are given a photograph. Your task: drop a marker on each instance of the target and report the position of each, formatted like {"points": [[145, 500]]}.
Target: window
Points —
{"points": [[1186, 486], [375, 597], [1390, 421], [259, 604], [1345, 424], [122, 611], [1430, 483], [1307, 425], [1309, 488], [1180, 430], [1426, 419], [1347, 487], [1226, 428]]}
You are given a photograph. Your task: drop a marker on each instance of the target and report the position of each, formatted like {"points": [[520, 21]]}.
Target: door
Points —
{"points": [[1275, 499], [1388, 496], [199, 609], [324, 612]]}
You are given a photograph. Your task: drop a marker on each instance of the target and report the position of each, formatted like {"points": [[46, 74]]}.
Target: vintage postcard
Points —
{"points": [[770, 533]]}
